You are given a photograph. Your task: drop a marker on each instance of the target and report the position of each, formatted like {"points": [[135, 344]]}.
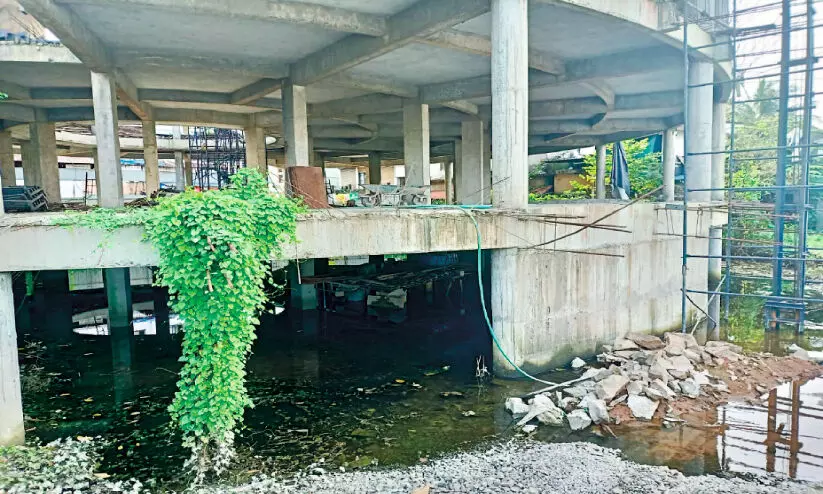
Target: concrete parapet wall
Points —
{"points": [[32, 242]]}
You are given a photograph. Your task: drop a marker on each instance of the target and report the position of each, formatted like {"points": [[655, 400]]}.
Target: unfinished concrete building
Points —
{"points": [[482, 83]]}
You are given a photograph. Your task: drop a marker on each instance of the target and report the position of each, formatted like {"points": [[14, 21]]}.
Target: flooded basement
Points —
{"points": [[351, 392]]}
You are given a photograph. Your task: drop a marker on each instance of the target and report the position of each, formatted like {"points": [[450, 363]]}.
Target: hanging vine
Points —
{"points": [[213, 248]]}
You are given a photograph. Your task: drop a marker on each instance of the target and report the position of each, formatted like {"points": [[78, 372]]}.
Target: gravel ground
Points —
{"points": [[526, 467]]}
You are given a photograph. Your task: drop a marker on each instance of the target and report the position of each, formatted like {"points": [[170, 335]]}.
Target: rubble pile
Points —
{"points": [[643, 371]]}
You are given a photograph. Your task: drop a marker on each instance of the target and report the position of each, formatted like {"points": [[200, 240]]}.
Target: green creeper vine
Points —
{"points": [[213, 248]]}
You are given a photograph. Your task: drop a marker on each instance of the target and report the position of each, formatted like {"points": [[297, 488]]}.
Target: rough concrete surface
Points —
{"points": [[527, 468]]}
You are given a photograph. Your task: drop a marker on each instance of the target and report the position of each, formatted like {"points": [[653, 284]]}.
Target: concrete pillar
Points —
{"points": [[179, 170], [150, 157], [510, 102], [508, 303], [416, 143], [188, 173], [44, 155], [161, 313], [256, 149], [295, 125], [12, 431], [718, 146], [303, 295], [600, 172], [7, 178], [29, 159], [668, 164], [117, 282], [487, 167], [699, 130], [374, 168], [470, 183], [52, 305], [109, 172], [447, 178], [714, 275]]}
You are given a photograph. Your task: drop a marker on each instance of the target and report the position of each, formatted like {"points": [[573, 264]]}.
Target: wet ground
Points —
{"points": [[352, 392]]}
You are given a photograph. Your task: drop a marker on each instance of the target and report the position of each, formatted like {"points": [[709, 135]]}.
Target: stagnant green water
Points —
{"points": [[354, 393]]}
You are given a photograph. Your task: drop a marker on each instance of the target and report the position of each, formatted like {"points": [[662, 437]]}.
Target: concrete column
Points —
{"points": [[508, 304], [458, 167], [161, 313], [600, 172], [487, 167], [44, 156], [447, 178], [7, 178], [718, 146], [295, 125], [179, 170], [303, 295], [150, 157], [374, 168], [668, 164], [510, 102], [256, 149], [699, 130], [188, 173], [714, 275], [469, 187], [117, 282], [29, 159], [109, 172], [416, 143], [12, 431]]}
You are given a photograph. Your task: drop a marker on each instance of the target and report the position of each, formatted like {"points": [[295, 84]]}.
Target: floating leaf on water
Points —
{"points": [[415, 385], [88, 354], [83, 439], [469, 413], [65, 394], [89, 399], [400, 381], [102, 475], [97, 415], [451, 394], [119, 448]]}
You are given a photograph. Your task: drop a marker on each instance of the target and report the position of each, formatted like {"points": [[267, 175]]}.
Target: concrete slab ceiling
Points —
{"points": [[200, 60]]}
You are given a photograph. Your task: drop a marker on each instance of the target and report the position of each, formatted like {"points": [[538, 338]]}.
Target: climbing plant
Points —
{"points": [[213, 248]]}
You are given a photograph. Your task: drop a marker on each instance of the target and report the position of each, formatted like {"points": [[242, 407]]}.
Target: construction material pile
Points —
{"points": [[643, 371]]}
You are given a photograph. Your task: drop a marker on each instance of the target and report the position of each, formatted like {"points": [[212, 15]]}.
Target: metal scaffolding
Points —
{"points": [[770, 47], [216, 155]]}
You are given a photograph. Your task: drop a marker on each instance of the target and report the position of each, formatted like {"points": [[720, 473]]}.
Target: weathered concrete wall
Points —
{"points": [[31, 242]]}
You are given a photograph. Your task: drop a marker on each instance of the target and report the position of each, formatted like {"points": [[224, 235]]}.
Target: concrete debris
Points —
{"points": [[609, 388], [578, 363], [578, 420], [529, 428], [642, 407], [598, 412], [516, 407], [647, 341], [654, 372]]}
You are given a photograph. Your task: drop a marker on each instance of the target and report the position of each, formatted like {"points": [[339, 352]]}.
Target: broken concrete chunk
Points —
{"points": [[529, 428], [516, 407], [724, 344], [658, 371], [682, 340], [693, 356], [642, 407], [674, 350], [624, 344], [653, 394], [634, 388], [598, 412], [678, 374], [544, 410], [578, 420], [647, 341], [690, 388], [578, 363], [701, 378], [681, 363], [674, 385], [664, 390], [609, 388], [576, 391]]}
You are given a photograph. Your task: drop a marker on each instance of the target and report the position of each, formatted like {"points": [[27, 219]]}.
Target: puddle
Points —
{"points": [[356, 393]]}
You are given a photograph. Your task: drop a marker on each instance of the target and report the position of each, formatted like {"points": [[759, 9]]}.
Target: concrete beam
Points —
{"points": [[616, 65], [255, 91], [375, 84], [14, 91], [383, 145], [422, 19], [60, 93], [466, 107], [332, 18], [537, 127], [482, 45], [18, 113], [343, 132], [370, 103]]}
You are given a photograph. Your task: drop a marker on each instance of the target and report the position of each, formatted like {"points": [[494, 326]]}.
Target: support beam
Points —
{"points": [[374, 168], [699, 135], [600, 172], [179, 171], [510, 102], [108, 169], [668, 164], [150, 157], [256, 149], [470, 183], [295, 125], [17, 113], [416, 143], [44, 150], [7, 176], [718, 146], [421, 19], [15, 91], [255, 91], [308, 14], [359, 105]]}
